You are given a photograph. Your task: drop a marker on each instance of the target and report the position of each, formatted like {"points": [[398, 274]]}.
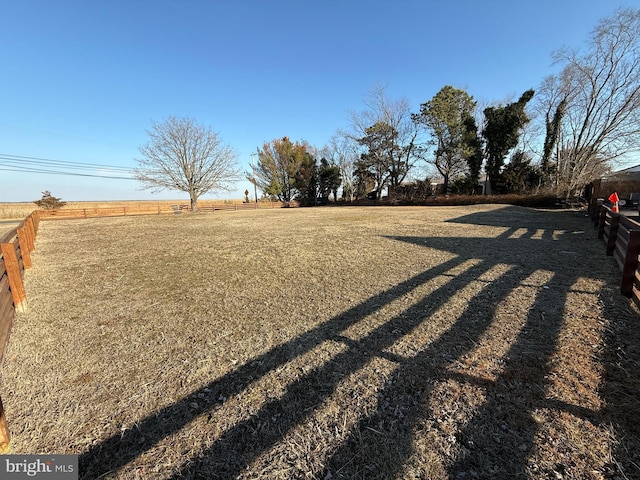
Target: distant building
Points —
{"points": [[625, 182], [482, 188], [631, 173]]}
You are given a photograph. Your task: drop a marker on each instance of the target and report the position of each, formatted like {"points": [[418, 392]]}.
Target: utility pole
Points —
{"points": [[253, 172]]}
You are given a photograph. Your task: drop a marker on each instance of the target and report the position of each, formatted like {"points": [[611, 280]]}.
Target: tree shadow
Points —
{"points": [[498, 439], [118, 450]]}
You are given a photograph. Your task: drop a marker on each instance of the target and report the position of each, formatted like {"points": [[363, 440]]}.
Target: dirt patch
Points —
{"points": [[444, 342]]}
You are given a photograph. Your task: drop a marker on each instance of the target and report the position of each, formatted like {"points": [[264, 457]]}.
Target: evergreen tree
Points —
{"points": [[503, 125], [444, 116], [49, 202]]}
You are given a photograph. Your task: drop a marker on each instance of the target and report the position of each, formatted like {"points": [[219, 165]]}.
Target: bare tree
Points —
{"points": [[342, 150], [183, 155], [550, 106], [395, 115], [598, 93]]}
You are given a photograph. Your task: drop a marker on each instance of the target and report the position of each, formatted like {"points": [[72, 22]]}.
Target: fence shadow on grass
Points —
{"points": [[498, 439], [500, 436], [621, 387], [116, 451]]}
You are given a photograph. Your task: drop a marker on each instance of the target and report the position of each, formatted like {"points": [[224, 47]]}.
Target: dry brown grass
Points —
{"points": [[444, 342], [15, 211]]}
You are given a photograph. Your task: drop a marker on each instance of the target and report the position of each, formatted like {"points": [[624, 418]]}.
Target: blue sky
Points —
{"points": [[81, 81]]}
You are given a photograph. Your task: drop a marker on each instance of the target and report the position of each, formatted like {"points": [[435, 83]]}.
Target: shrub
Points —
{"points": [[49, 202]]}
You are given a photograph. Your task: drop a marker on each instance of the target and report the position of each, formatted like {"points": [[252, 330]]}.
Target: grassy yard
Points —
{"points": [[328, 343]]}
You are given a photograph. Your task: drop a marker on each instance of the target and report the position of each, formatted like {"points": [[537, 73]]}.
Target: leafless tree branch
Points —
{"points": [[183, 155]]}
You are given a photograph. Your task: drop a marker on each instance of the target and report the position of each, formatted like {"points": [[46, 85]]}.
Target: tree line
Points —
{"points": [[554, 139]]}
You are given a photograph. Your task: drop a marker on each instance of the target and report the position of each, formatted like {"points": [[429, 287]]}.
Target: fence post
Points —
{"points": [[12, 267], [27, 234], [602, 220], [34, 218], [612, 224], [24, 247], [5, 435], [630, 263], [30, 227]]}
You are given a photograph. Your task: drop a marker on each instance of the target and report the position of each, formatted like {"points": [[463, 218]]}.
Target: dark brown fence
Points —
{"points": [[622, 241], [15, 256]]}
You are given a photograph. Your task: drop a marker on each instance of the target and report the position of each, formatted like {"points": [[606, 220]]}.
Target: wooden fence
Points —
{"points": [[129, 210], [15, 256], [621, 235]]}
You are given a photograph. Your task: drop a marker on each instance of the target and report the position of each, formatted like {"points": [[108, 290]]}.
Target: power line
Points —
{"points": [[53, 172], [21, 163], [25, 159]]}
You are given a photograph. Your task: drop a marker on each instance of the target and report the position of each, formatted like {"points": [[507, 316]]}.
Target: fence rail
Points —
{"points": [[15, 256], [621, 235], [125, 210]]}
